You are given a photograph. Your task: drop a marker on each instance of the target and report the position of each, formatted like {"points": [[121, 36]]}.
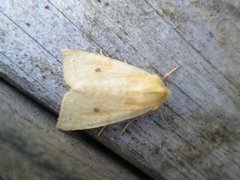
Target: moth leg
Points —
{"points": [[130, 121], [152, 16], [162, 138], [101, 130], [160, 109], [165, 77], [126, 125], [100, 51]]}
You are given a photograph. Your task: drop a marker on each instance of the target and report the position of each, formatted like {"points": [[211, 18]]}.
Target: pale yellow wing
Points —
{"points": [[106, 91], [81, 68]]}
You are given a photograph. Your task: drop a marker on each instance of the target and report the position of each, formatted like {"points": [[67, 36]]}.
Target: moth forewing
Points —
{"points": [[106, 91]]}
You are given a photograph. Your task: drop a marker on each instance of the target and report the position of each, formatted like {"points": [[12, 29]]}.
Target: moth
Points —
{"points": [[106, 91]]}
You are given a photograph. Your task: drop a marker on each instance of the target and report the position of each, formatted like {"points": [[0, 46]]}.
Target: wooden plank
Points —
{"points": [[216, 22], [32, 148], [200, 136]]}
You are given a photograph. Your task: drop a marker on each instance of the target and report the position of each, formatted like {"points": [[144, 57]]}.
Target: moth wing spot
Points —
{"points": [[96, 110], [98, 70]]}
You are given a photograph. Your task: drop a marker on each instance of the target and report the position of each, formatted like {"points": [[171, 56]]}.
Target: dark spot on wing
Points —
{"points": [[96, 110], [98, 70]]}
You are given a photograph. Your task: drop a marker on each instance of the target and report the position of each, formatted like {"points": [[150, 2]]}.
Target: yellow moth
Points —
{"points": [[106, 91]]}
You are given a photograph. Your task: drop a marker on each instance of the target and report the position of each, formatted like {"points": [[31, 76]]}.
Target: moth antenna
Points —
{"points": [[165, 77]]}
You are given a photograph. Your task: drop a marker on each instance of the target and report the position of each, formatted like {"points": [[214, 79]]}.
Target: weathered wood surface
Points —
{"points": [[32, 148], [199, 138]]}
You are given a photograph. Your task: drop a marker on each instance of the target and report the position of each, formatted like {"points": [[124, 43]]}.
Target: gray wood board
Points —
{"points": [[32, 148], [199, 137]]}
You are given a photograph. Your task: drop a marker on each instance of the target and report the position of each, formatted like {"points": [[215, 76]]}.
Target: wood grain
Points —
{"points": [[199, 138], [32, 148]]}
